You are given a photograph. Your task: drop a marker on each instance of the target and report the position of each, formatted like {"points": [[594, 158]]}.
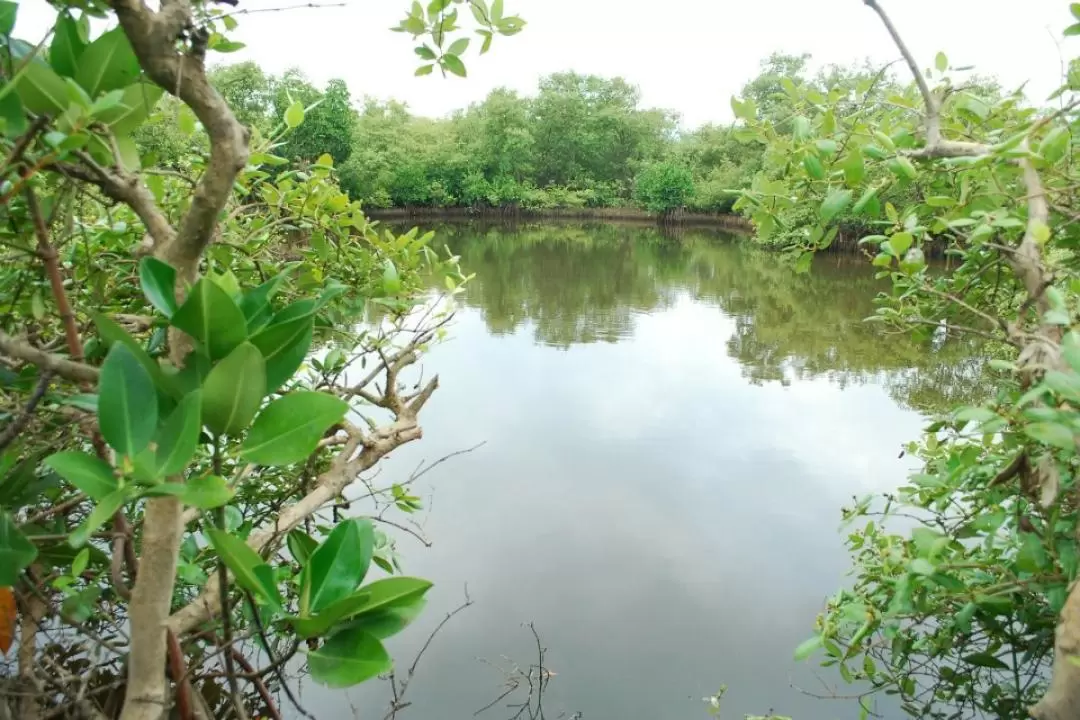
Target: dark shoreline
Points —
{"points": [[727, 222]]}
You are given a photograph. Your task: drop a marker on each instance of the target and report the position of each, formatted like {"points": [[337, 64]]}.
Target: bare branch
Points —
{"points": [[68, 369], [125, 188], [154, 38]]}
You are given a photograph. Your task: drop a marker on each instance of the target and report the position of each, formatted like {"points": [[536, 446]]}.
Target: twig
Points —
{"points": [[19, 422], [400, 688], [274, 665]]}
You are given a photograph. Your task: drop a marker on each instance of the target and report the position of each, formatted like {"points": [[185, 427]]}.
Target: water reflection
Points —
{"points": [[671, 427], [580, 284]]}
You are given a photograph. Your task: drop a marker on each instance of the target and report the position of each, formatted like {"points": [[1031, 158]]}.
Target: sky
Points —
{"points": [[690, 56]]}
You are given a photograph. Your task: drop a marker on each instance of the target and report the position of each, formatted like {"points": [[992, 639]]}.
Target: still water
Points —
{"points": [[671, 425]]}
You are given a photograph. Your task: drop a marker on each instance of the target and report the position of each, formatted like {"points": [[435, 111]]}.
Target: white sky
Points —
{"points": [[686, 55]]}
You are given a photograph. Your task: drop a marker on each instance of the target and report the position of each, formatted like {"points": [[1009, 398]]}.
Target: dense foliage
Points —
{"points": [[582, 142], [964, 602], [203, 344]]}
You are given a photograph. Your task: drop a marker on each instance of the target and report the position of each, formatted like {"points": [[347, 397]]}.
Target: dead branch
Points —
{"points": [[400, 687]]}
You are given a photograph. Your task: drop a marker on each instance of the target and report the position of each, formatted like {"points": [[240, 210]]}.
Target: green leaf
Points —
{"points": [[1074, 8], [458, 47], [372, 600], [107, 63], [233, 391], [136, 103], [921, 566], [16, 552], [186, 120], [800, 126], [80, 606], [391, 592], [854, 169], [813, 167], [962, 619], [885, 140], [864, 202], [453, 64], [101, 514], [128, 152], [1055, 145], [348, 658], [114, 334], [338, 566], [985, 660], [826, 146], [67, 46], [294, 115], [211, 317], [158, 281], [289, 429], [127, 402], [900, 242], [807, 647], [255, 303], [425, 52], [86, 472], [835, 203], [386, 623], [207, 492], [78, 565], [1070, 348], [1051, 434], [902, 168], [424, 70], [874, 152], [8, 12], [941, 62], [12, 118], [1031, 557], [41, 90], [301, 545], [178, 438], [284, 345], [244, 563]]}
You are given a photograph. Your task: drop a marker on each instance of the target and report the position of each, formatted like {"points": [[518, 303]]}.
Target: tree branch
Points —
{"points": [[125, 188], [342, 473], [67, 369], [154, 38]]}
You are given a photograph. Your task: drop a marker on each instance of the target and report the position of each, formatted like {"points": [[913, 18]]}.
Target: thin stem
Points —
{"points": [[223, 586]]}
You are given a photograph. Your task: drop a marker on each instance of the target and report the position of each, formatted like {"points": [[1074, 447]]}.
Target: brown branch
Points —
{"points": [[154, 38], [56, 281], [123, 187], [15, 156], [33, 610], [18, 423], [68, 369]]}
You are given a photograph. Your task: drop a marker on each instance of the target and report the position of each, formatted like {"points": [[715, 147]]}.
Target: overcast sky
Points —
{"points": [[686, 55]]}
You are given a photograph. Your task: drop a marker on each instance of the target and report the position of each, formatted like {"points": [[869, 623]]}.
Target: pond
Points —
{"points": [[671, 425]]}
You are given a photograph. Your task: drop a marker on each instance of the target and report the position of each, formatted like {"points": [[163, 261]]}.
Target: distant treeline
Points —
{"points": [[580, 142]]}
